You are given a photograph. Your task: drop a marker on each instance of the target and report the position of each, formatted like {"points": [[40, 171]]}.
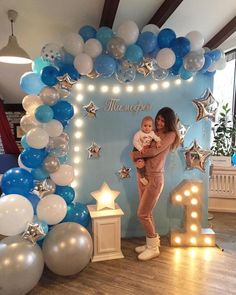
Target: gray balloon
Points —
{"points": [[194, 61], [116, 47], [51, 164], [58, 146], [21, 265], [160, 74], [67, 248], [49, 95]]}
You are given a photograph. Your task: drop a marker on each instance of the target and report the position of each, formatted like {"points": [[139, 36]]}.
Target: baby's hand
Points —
{"points": [[158, 144], [140, 163]]}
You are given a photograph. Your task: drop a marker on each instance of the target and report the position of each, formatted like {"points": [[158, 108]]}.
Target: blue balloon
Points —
{"points": [[177, 65], [87, 32], [215, 54], [184, 74], [44, 113], [153, 54], [70, 70], [33, 158], [134, 54], [24, 142], [233, 159], [49, 75], [65, 58], [70, 213], [207, 63], [34, 200], [17, 181], [66, 192], [63, 110], [104, 34], [209, 74], [165, 37], [31, 83], [77, 213], [38, 64], [180, 46], [105, 65], [39, 173], [147, 41]]}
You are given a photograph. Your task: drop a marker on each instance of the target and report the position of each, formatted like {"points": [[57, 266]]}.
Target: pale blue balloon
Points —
{"points": [[38, 64], [31, 83]]}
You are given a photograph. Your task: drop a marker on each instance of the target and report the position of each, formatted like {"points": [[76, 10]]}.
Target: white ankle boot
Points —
{"points": [[140, 249], [151, 250]]}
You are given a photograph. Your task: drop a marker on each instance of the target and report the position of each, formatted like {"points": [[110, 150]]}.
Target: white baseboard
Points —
{"points": [[222, 205]]}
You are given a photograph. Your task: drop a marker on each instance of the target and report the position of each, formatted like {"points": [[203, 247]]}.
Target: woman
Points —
{"points": [[166, 129]]}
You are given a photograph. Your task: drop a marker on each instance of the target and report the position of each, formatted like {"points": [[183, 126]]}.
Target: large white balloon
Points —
{"points": [[64, 175], [51, 209], [73, 44], [128, 31], [165, 58], [83, 63], [54, 128], [31, 102], [28, 122], [93, 47], [15, 212], [37, 138], [196, 40], [151, 28]]}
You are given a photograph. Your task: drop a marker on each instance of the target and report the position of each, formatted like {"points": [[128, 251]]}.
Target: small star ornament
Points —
{"points": [[206, 106], [91, 109], [33, 232], [146, 67], [124, 172], [66, 82], [182, 129], [196, 157], [94, 151], [105, 197]]}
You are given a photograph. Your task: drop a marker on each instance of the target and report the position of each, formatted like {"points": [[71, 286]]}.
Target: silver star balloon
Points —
{"points": [[206, 106], [183, 129], [196, 157], [91, 109], [33, 232], [124, 172], [66, 82], [45, 187], [94, 151]]}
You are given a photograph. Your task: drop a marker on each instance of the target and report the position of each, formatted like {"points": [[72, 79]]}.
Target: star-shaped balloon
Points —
{"points": [[146, 67], [45, 187], [94, 151], [183, 129], [124, 172], [66, 82], [105, 197], [91, 109], [33, 232], [196, 157], [206, 106], [93, 75]]}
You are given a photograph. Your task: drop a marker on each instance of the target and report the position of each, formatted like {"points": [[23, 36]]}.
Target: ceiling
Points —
{"points": [[48, 21]]}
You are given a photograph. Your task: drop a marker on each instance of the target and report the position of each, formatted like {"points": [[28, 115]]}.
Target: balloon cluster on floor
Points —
{"points": [[37, 205], [122, 54]]}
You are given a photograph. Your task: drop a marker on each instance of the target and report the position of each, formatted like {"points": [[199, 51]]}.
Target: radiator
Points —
{"points": [[223, 183]]}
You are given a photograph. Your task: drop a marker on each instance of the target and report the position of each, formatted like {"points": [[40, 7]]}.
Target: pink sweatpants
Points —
{"points": [[149, 196]]}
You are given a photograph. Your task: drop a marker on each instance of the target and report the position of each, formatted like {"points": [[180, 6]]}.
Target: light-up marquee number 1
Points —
{"points": [[190, 194]]}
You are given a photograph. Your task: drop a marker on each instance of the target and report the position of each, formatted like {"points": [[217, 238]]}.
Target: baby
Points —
{"points": [[142, 139]]}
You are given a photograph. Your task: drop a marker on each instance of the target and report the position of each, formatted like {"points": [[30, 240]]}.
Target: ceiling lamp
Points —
{"points": [[13, 53]]}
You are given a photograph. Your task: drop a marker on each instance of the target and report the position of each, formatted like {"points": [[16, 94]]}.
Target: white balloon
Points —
{"points": [[51, 209], [64, 175], [196, 40], [21, 165], [151, 28], [37, 138], [15, 212], [28, 122], [93, 47], [83, 63], [220, 63], [165, 58], [54, 128], [31, 102], [128, 31], [73, 44]]}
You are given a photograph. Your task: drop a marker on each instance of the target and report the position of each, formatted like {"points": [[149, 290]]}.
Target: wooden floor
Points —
{"points": [[185, 271]]}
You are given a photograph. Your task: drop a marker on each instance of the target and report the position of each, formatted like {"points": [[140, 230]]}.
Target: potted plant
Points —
{"points": [[224, 132]]}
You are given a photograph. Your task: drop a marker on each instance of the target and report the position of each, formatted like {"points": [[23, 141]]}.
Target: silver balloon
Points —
{"points": [[160, 74], [51, 164], [58, 146], [21, 265], [75, 253], [49, 95], [194, 61], [125, 72], [44, 188], [116, 47]]}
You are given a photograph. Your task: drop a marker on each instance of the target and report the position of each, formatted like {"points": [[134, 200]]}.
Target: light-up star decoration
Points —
{"points": [[206, 106], [66, 82], [124, 172], [33, 232], [195, 157], [105, 197], [91, 109], [182, 129], [94, 151]]}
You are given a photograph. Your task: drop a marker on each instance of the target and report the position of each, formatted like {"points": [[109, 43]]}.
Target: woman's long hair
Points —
{"points": [[170, 124]]}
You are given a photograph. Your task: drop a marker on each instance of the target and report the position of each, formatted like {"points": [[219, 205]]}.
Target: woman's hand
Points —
{"points": [[140, 163]]}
